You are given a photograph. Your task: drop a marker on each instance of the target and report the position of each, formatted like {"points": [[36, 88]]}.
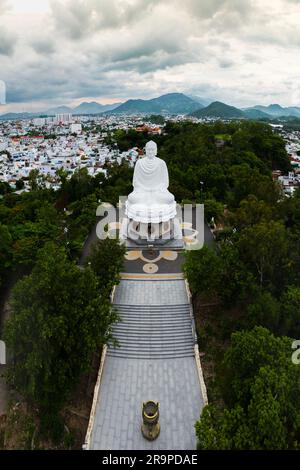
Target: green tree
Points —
{"points": [[244, 181], [20, 184], [30, 236], [34, 179], [106, 260], [213, 208], [5, 252], [264, 311], [4, 188], [262, 397], [290, 312], [264, 249], [238, 284], [248, 352], [251, 212], [203, 269], [156, 119], [59, 320]]}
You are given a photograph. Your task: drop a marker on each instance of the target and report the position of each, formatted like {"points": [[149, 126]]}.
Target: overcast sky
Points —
{"points": [[242, 52]]}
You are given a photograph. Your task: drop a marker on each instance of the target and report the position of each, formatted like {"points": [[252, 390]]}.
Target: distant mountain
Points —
{"points": [[16, 116], [84, 108], [224, 111], [252, 113], [172, 103], [295, 111], [219, 110], [94, 108], [58, 110], [202, 101], [275, 110]]}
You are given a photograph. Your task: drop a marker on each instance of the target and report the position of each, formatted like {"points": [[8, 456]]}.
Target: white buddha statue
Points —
{"points": [[151, 202]]}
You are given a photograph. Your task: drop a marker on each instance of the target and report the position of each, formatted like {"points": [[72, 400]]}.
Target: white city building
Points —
{"points": [[76, 128]]}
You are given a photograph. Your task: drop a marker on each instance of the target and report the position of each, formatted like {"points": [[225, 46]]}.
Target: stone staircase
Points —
{"points": [[153, 332]]}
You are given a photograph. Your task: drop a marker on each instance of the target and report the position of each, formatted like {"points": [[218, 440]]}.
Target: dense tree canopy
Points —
{"points": [[252, 273], [59, 319], [106, 260], [240, 167], [262, 388]]}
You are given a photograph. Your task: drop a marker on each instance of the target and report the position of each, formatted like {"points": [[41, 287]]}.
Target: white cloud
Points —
{"points": [[239, 51], [4, 6]]}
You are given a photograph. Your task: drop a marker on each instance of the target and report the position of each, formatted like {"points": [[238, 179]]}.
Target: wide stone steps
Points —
{"points": [[152, 307], [151, 355], [158, 343], [148, 314], [151, 336], [184, 318], [154, 324], [152, 332]]}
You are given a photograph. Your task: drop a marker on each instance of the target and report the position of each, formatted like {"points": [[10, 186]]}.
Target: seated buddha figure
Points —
{"points": [[151, 202]]}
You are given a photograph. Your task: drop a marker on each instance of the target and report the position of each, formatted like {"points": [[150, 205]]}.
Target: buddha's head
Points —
{"points": [[151, 149]]}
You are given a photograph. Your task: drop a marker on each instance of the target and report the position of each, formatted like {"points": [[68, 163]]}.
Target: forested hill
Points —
{"points": [[171, 103], [219, 110], [231, 160], [216, 154]]}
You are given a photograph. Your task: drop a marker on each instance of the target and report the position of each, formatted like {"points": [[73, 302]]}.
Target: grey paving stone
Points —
{"points": [[156, 292], [180, 407], [127, 382]]}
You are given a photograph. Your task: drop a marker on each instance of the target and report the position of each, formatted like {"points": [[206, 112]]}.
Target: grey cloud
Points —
{"points": [[79, 18], [226, 63], [44, 88], [142, 50], [158, 61], [252, 58], [114, 13], [150, 42], [43, 45], [72, 18], [288, 36], [209, 8], [204, 8], [7, 42], [139, 48]]}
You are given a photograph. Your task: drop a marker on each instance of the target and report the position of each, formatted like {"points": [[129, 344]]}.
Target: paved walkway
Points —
{"points": [[136, 264], [154, 361], [129, 382], [153, 293]]}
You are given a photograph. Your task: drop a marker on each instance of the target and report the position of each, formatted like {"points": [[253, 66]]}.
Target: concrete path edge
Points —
{"points": [[87, 443]]}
